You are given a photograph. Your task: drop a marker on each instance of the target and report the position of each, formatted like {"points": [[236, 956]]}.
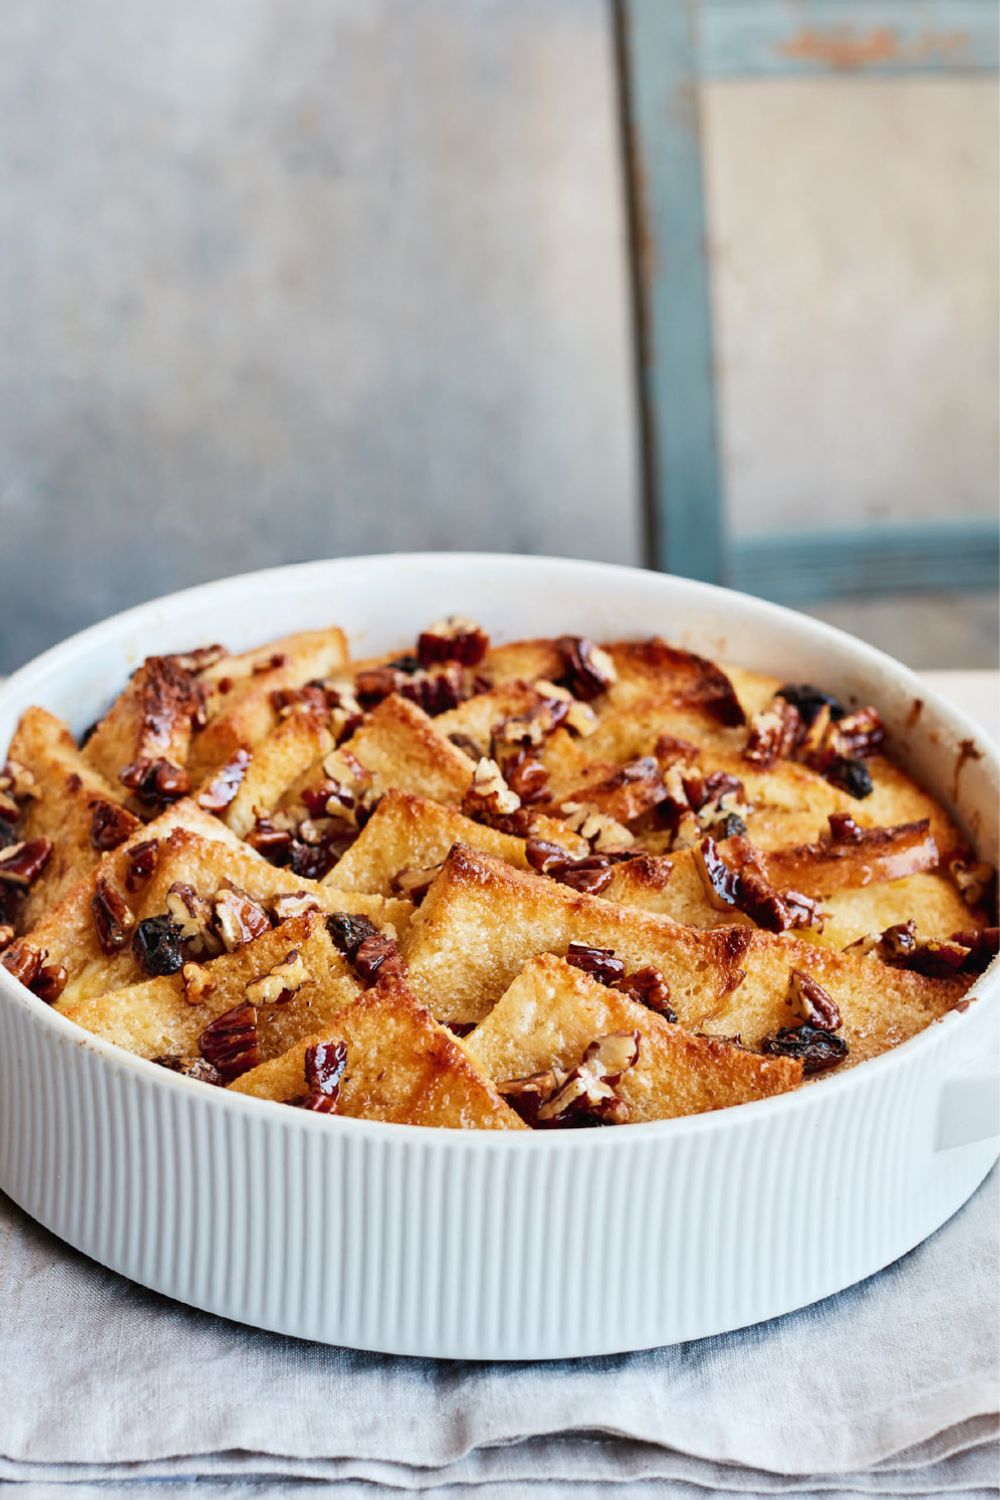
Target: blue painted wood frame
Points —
{"points": [[664, 48]]}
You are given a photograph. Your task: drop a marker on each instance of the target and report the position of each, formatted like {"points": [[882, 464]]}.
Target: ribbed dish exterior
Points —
{"points": [[473, 1245], [482, 1244]]}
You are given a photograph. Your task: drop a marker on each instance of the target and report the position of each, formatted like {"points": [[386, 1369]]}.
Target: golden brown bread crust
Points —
{"points": [[702, 822]]}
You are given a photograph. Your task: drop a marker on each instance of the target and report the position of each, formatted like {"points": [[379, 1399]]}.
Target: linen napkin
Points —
{"points": [[889, 1388]]}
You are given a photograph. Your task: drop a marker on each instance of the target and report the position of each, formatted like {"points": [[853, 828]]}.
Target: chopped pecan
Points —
{"points": [[376, 956], [648, 987], [815, 1005], [156, 944], [526, 776], [21, 864], [453, 639], [200, 659], [489, 799], [600, 963], [589, 873], [983, 944], [288, 904], [818, 1050], [272, 841], [192, 1067], [140, 863], [281, 982], [194, 917], [774, 734], [237, 916], [156, 783], [844, 830], [113, 917], [17, 783], [902, 948], [230, 1042], [312, 698], [272, 663], [7, 935], [588, 671], [526, 1095], [110, 824], [325, 1063], [975, 880], [435, 692], [588, 1089], [602, 832], [222, 789], [198, 983]]}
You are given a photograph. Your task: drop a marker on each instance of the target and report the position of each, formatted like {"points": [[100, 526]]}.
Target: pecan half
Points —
{"points": [[281, 982], [156, 783], [589, 873], [24, 961], [237, 916], [453, 639], [376, 956], [414, 882], [113, 917], [743, 885], [288, 904], [600, 963], [49, 983], [230, 1042], [901, 947], [222, 789], [588, 671], [814, 1004], [110, 824], [271, 841], [324, 1069], [648, 987], [818, 1050]]}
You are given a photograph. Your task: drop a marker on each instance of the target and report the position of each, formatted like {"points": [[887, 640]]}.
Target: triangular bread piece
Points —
{"points": [[553, 1011], [401, 1067], [74, 807], [483, 919], [155, 1018]]}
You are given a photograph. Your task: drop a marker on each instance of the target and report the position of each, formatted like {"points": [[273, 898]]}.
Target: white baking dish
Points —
{"points": [[484, 1245]]}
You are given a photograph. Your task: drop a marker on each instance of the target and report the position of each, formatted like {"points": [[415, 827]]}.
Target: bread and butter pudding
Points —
{"points": [[543, 884]]}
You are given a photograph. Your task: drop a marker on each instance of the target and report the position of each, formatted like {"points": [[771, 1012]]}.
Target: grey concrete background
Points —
{"points": [[284, 282]]}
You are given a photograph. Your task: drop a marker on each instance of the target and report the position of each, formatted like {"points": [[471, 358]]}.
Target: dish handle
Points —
{"points": [[969, 1105]]}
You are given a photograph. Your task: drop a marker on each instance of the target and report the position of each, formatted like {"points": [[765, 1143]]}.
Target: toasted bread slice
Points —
{"points": [[553, 1011], [201, 856], [523, 661], [154, 1018], [401, 747], [673, 887], [152, 719], [276, 763], [482, 920], [401, 1066], [75, 808], [239, 707], [408, 832]]}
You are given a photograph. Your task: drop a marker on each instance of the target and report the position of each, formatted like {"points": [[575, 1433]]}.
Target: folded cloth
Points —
{"points": [[890, 1388]]}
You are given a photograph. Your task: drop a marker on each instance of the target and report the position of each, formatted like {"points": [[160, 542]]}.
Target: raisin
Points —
{"points": [[156, 944], [851, 776], [731, 827], [348, 931], [7, 834], [809, 700], [818, 1050]]}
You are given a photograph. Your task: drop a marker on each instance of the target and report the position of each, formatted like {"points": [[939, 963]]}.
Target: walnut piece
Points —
{"points": [[198, 983], [281, 982]]}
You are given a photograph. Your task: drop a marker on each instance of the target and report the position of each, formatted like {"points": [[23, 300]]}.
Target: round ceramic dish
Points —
{"points": [[480, 1244]]}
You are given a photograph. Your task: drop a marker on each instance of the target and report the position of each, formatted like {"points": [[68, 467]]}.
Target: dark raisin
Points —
{"points": [[156, 944], [731, 827], [600, 963], [348, 931], [809, 700], [406, 663], [7, 834], [817, 1049], [851, 776]]}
